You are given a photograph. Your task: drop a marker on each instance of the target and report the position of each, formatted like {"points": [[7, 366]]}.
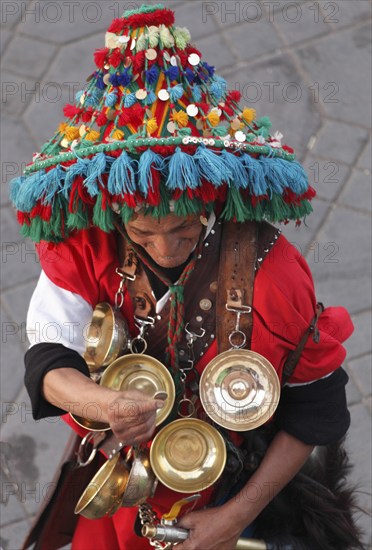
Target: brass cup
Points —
{"points": [[107, 337], [142, 373], [103, 495], [142, 482], [188, 455]]}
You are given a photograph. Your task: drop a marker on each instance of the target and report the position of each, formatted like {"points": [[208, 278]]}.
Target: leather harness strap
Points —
{"points": [[235, 282]]}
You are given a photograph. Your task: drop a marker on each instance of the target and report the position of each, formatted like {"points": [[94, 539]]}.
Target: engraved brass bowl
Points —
{"points": [[239, 389], [107, 337], [188, 455], [142, 373], [103, 495], [142, 482]]}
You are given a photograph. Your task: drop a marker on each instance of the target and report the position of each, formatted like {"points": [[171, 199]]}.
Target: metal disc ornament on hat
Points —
{"points": [[151, 54], [239, 389], [142, 373], [141, 93], [188, 455], [194, 59], [192, 109], [171, 127], [163, 94], [240, 136]]}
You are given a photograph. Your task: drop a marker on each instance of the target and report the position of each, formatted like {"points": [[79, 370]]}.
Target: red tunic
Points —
{"points": [[283, 306]]}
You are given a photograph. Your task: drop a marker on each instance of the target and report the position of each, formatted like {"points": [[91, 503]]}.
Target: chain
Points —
{"points": [[147, 516]]}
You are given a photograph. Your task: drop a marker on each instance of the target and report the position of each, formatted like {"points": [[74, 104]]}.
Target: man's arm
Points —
{"points": [[219, 528], [131, 415]]}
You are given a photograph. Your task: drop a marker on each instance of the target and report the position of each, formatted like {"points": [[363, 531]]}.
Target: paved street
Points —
{"points": [[306, 64]]}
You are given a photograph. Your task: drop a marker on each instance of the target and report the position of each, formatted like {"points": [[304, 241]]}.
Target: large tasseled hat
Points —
{"points": [[156, 129]]}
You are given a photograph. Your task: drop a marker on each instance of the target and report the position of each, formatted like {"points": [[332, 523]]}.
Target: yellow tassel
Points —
{"points": [[71, 133], [118, 134], [62, 127], [181, 118], [92, 135], [249, 115], [213, 118], [151, 125]]}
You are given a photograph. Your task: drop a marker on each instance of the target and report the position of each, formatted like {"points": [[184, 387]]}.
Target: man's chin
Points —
{"points": [[171, 262]]}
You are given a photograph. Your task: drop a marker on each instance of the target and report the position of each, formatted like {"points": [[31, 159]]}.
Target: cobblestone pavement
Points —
{"points": [[305, 64]]}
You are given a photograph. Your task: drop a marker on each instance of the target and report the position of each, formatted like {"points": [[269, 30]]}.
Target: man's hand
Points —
{"points": [[132, 417], [210, 529]]}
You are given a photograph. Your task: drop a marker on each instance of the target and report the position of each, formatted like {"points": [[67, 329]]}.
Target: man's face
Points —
{"points": [[169, 240]]}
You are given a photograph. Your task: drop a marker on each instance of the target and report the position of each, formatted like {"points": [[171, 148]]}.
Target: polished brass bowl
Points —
{"points": [[91, 425], [144, 374], [103, 495], [239, 389], [188, 455], [107, 337]]}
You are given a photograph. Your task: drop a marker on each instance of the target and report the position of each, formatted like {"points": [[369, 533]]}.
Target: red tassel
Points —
{"points": [[132, 115], [115, 58], [130, 200], [207, 192], [191, 49], [158, 17], [177, 194], [100, 57], [291, 198], [87, 115], [234, 95], [153, 194], [183, 57], [138, 61], [70, 111], [116, 25], [227, 111], [23, 218], [101, 120], [204, 107]]}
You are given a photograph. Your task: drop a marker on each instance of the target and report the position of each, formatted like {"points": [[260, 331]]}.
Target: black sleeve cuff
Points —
{"points": [[316, 413], [40, 359]]}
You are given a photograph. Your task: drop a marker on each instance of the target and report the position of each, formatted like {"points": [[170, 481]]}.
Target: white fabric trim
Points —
{"points": [[57, 316], [307, 383]]}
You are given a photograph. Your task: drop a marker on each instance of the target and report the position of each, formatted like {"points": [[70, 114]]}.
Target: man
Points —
{"points": [[160, 169]]}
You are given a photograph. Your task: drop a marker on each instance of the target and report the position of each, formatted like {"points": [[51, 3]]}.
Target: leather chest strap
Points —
{"points": [[235, 283]]}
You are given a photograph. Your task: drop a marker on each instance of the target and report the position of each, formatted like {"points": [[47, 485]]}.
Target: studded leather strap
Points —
{"points": [[235, 284]]}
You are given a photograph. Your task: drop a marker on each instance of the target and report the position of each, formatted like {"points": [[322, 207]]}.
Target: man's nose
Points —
{"points": [[166, 245]]}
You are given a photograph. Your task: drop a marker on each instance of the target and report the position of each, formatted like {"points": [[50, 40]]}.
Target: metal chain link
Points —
{"points": [[148, 517]]}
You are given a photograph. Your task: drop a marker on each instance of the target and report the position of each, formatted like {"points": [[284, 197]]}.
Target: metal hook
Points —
{"points": [[192, 336]]}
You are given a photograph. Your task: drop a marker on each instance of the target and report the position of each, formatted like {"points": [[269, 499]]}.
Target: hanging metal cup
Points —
{"points": [[107, 337]]}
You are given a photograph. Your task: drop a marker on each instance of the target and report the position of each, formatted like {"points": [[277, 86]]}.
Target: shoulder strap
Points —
{"points": [[235, 281], [243, 249]]}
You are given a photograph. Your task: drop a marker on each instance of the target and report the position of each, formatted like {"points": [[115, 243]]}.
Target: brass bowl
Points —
{"points": [[107, 337], [188, 455], [91, 425], [142, 482], [239, 389], [103, 495], [144, 374]]}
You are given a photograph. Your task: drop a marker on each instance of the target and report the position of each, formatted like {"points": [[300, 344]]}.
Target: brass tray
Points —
{"points": [[239, 389], [188, 455], [144, 374]]}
